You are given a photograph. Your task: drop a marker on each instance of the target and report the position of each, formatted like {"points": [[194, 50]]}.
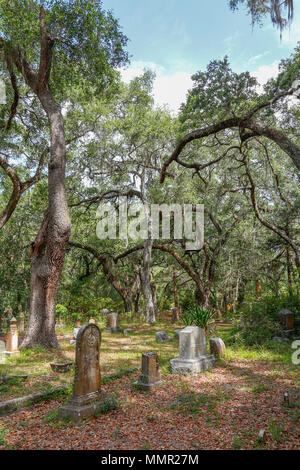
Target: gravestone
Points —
{"points": [[162, 337], [193, 357], [87, 384], [112, 325], [12, 339], [21, 324], [150, 376], [217, 347], [175, 314], [176, 334], [287, 319]]}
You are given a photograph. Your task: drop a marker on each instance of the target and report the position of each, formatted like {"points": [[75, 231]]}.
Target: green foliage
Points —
{"points": [[192, 403], [108, 404], [3, 432], [198, 316]]}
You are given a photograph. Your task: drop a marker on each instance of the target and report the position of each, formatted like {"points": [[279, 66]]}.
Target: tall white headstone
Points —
{"points": [[193, 357]]}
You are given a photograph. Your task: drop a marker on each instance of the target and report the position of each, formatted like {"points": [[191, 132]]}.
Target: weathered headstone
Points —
{"points": [[112, 325], [12, 339], [162, 337], [87, 384], [217, 347], [176, 334], [287, 319], [150, 376], [21, 324], [193, 357], [175, 314]]}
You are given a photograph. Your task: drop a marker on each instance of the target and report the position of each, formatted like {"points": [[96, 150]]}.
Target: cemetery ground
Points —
{"points": [[224, 408]]}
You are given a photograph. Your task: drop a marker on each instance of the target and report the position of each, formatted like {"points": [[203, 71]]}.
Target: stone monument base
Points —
{"points": [[192, 366], [78, 408], [148, 386], [113, 330], [11, 353]]}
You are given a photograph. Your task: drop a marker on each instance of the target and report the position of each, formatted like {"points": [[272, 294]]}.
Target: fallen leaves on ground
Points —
{"points": [[221, 409]]}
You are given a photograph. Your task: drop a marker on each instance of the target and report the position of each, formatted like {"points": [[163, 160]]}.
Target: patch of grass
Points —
{"points": [[260, 389], [192, 403], [238, 443], [275, 430], [108, 404], [3, 432]]}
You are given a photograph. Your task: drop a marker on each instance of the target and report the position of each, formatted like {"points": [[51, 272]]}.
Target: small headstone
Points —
{"points": [[12, 339], [279, 339], [217, 347], [162, 337], [193, 357], [150, 376], [87, 384], [287, 399], [176, 334], [211, 330], [175, 314], [262, 435], [112, 323], [287, 319], [21, 324], [127, 330]]}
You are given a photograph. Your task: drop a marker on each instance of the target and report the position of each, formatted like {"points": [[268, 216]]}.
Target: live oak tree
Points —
{"points": [[51, 46]]}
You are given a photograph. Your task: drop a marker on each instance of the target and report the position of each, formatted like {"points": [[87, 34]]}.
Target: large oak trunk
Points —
{"points": [[49, 248]]}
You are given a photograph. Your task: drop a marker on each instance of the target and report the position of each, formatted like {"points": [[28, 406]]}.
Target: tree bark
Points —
{"points": [[48, 250]]}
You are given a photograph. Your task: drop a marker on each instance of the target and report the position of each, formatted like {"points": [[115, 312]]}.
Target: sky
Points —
{"points": [[177, 38]]}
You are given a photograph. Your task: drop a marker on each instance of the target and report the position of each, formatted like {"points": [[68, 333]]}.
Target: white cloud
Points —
{"points": [[265, 72], [168, 89]]}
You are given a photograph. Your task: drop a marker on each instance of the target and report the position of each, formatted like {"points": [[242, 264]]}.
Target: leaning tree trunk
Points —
{"points": [[49, 248]]}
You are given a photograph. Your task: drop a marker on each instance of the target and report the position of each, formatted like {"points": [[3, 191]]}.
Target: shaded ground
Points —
{"points": [[221, 409]]}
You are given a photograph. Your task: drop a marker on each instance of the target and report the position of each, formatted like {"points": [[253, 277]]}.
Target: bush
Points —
{"points": [[256, 327], [198, 316]]}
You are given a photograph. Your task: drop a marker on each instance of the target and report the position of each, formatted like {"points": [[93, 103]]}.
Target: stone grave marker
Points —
{"points": [[112, 325], [87, 383], [217, 347], [287, 318], [175, 314], [193, 357], [162, 337], [150, 376], [12, 339]]}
